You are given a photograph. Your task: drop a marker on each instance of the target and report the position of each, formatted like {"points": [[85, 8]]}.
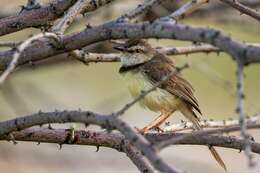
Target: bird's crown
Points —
{"points": [[134, 46]]}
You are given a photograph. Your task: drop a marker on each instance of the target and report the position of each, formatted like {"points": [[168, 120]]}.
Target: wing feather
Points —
{"points": [[160, 66]]}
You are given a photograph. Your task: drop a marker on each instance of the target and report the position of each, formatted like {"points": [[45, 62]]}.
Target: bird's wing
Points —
{"points": [[161, 66]]}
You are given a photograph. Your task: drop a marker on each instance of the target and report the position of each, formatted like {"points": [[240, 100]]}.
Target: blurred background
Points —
{"points": [[65, 83]]}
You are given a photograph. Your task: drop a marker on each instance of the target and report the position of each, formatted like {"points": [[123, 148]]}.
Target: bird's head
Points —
{"points": [[134, 52]]}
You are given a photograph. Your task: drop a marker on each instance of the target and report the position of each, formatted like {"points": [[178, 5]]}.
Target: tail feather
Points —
{"points": [[217, 158], [190, 115]]}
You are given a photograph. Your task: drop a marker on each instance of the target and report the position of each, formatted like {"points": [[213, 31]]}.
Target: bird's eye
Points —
{"points": [[130, 51]]}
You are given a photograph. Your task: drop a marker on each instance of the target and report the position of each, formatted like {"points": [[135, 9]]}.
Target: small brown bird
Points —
{"points": [[143, 67]]}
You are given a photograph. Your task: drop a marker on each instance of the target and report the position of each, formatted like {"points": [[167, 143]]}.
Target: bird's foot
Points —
{"points": [[147, 129]]}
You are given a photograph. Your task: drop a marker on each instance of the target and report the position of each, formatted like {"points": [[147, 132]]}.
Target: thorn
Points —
{"points": [[88, 26], [97, 150], [50, 127], [12, 139], [60, 146], [167, 123]]}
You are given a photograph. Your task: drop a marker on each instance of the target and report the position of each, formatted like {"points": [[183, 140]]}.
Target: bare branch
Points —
{"points": [[185, 10], [142, 8], [249, 54], [68, 18], [35, 17], [243, 9], [80, 7], [9, 44], [87, 57], [19, 51], [138, 159], [117, 141], [240, 110], [82, 137], [43, 16], [209, 124], [106, 121], [205, 132]]}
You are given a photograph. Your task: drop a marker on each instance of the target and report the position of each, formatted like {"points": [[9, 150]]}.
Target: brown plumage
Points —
{"points": [[143, 67]]}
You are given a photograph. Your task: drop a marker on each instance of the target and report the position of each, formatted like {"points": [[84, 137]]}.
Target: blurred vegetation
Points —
{"points": [[69, 84]]}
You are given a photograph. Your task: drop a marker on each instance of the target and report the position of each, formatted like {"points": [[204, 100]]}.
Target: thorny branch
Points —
{"points": [[241, 112], [20, 49], [185, 10], [34, 15], [249, 54], [43, 16], [117, 141], [242, 8], [105, 121]]}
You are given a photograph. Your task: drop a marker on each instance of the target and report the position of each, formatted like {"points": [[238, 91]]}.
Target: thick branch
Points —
{"points": [[142, 8], [34, 18], [106, 121], [82, 137], [249, 54], [43, 16], [80, 7], [118, 142]]}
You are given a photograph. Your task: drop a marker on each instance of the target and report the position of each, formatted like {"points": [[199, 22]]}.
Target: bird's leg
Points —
{"points": [[155, 124]]}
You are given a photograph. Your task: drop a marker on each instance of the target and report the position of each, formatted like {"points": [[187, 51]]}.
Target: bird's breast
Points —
{"points": [[157, 100]]}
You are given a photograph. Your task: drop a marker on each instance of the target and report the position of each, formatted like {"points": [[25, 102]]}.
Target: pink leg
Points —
{"points": [[157, 122]]}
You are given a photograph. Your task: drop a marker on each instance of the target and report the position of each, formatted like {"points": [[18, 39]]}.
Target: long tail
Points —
{"points": [[189, 114]]}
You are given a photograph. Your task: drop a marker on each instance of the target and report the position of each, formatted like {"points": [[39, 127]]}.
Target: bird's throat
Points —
{"points": [[124, 69]]}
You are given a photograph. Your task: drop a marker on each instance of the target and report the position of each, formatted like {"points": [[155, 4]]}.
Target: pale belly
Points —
{"points": [[157, 101]]}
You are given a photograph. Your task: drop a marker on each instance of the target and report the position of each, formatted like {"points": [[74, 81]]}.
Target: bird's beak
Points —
{"points": [[120, 48]]}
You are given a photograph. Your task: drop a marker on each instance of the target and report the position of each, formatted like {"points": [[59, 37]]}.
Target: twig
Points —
{"points": [[80, 7], [209, 124], [185, 10], [87, 57], [68, 18], [9, 44], [243, 9], [142, 8], [240, 110], [201, 133], [20, 49]]}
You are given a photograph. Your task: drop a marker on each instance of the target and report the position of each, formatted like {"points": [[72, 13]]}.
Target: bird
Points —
{"points": [[143, 67]]}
